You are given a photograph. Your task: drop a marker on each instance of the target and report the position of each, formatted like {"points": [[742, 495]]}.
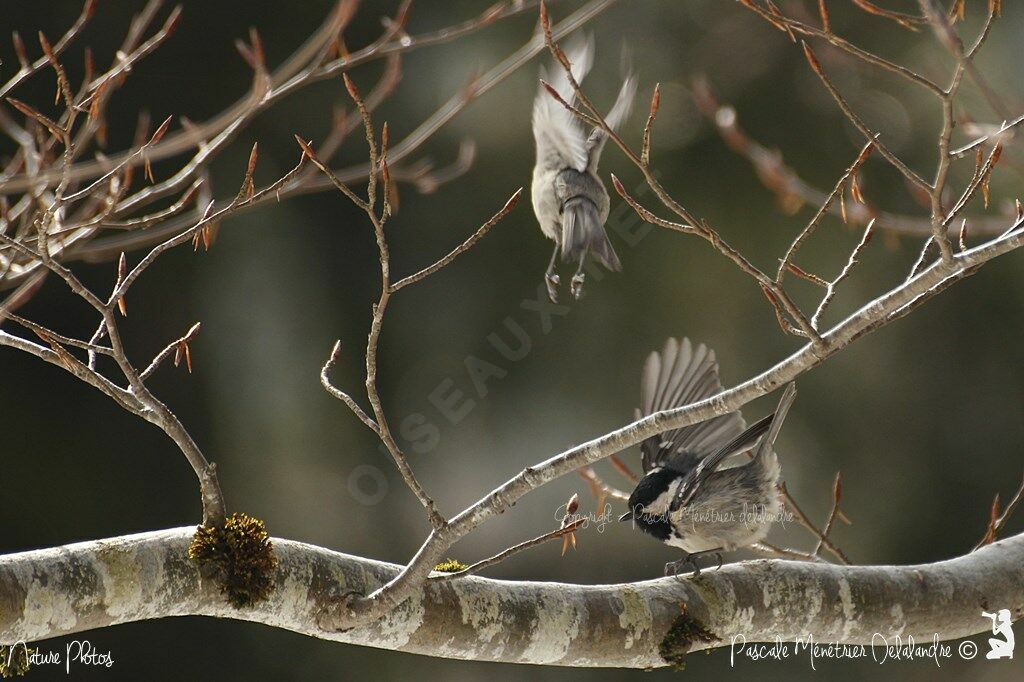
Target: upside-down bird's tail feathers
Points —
{"points": [[582, 230]]}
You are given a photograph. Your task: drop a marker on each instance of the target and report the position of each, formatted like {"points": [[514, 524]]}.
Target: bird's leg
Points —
{"points": [[717, 553], [673, 567], [550, 277], [576, 286]]}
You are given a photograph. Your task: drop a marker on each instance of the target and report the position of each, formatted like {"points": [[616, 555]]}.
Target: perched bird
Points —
{"points": [[570, 201], [690, 497]]}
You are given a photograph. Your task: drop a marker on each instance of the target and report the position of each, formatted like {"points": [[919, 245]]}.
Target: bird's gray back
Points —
{"points": [[571, 183]]}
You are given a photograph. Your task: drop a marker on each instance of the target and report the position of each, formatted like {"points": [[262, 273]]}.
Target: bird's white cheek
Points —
{"points": [[660, 506]]}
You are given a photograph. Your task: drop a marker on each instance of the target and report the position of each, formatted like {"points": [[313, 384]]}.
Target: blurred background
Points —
{"points": [[923, 418]]}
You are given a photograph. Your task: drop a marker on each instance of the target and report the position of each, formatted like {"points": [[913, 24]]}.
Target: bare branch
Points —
{"points": [[787, 260], [793, 190], [837, 495], [859, 124], [600, 489], [999, 523], [506, 553], [305, 68], [325, 381], [768, 549], [177, 346], [461, 248], [782, 304], [996, 136], [85, 247], [27, 70], [645, 148], [830, 290], [797, 27], [50, 336]]}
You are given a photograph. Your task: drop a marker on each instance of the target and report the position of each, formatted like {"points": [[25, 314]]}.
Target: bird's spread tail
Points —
{"points": [[583, 231]]}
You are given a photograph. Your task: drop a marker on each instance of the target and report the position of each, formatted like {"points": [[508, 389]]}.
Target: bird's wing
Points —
{"points": [[682, 374], [766, 430], [555, 128], [619, 112]]}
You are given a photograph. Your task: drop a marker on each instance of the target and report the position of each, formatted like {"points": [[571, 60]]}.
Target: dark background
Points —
{"points": [[923, 417]]}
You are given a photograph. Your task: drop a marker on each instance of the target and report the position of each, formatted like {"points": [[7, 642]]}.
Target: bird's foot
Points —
{"points": [[552, 281], [673, 568], [576, 286]]}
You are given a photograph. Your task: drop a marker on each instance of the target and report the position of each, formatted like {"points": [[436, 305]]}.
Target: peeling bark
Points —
{"points": [[53, 592]]}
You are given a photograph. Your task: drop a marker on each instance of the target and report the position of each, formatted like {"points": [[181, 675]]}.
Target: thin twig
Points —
{"points": [[506, 553], [49, 335], [781, 302], [210, 217], [837, 494], [325, 381], [461, 248], [998, 524], [808, 230], [859, 124], [830, 290], [175, 346], [921, 258], [600, 488], [966, 149], [798, 27], [806, 522], [623, 470], [88, 8]]}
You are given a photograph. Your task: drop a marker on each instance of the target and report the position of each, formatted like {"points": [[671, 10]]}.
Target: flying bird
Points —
{"points": [[569, 199]]}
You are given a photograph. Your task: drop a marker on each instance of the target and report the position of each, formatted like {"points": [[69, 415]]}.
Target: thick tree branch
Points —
{"points": [[53, 592]]}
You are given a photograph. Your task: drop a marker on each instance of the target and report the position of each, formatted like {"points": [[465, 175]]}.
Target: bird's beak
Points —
{"points": [[628, 516]]}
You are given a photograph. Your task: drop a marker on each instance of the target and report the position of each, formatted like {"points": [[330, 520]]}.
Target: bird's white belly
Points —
{"points": [[726, 526]]}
